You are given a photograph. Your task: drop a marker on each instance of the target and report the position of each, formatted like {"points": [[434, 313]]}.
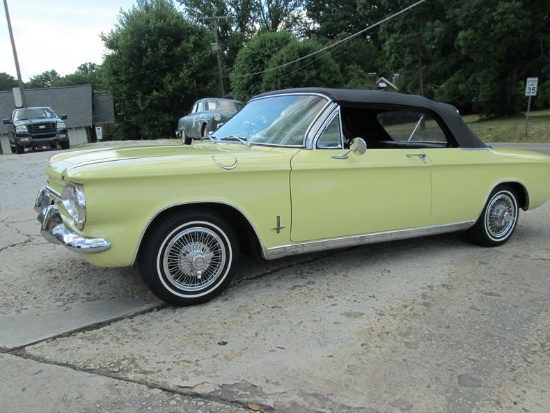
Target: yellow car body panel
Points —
{"points": [[309, 195], [257, 186], [462, 179], [382, 190]]}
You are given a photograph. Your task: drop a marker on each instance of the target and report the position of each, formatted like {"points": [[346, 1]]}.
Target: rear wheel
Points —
{"points": [[189, 258], [498, 220]]}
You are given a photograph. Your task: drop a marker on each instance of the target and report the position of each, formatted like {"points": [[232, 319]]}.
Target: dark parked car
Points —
{"points": [[207, 115], [35, 127]]}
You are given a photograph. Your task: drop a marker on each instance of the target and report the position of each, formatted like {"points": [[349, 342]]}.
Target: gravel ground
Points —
{"points": [[426, 325]]}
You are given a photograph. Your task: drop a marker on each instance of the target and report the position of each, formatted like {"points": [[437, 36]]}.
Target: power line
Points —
{"points": [[338, 43]]}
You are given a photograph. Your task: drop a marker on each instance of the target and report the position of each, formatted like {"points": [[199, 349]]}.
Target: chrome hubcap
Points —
{"points": [[501, 215], [194, 259]]}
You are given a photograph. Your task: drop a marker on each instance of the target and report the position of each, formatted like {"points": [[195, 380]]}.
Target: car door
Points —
{"points": [[335, 196], [190, 122]]}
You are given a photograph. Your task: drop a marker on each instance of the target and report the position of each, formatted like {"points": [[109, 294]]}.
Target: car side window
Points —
{"points": [[331, 137], [413, 127]]}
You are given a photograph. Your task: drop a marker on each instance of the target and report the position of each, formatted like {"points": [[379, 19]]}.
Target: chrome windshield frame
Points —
{"points": [[312, 129]]}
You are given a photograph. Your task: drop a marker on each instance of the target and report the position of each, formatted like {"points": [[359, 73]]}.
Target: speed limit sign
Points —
{"points": [[531, 86]]}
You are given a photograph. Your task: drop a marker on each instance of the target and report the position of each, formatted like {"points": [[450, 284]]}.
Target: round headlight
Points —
{"points": [[217, 117], [74, 202]]}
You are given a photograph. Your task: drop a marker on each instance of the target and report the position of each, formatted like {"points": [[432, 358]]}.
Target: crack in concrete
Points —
{"points": [[28, 238]]}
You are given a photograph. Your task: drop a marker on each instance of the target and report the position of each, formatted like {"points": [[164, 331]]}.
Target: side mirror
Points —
{"points": [[358, 146], [63, 117], [7, 121]]}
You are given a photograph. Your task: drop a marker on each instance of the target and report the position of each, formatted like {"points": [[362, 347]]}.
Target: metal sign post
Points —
{"points": [[530, 90]]}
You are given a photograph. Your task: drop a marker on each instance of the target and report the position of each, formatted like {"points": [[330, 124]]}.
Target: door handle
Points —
{"points": [[420, 155]]}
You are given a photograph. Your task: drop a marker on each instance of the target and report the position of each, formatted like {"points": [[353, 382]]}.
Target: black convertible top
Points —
{"points": [[353, 97]]}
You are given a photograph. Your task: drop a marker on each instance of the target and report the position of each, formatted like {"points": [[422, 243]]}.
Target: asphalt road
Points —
{"points": [[426, 325]]}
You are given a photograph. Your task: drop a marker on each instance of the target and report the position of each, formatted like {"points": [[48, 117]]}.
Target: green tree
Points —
{"points": [[249, 16], [286, 70], [499, 43], [415, 44], [273, 15], [7, 82], [252, 61], [86, 74], [475, 54], [158, 64], [43, 80], [332, 18]]}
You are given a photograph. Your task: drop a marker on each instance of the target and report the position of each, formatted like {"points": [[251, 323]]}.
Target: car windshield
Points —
{"points": [[33, 113], [275, 120], [222, 104]]}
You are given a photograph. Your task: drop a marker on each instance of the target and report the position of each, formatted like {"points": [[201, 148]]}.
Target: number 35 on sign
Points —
{"points": [[531, 86]]}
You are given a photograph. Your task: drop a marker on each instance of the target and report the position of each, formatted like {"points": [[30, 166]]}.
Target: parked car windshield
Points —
{"points": [[222, 104], [276, 120], [33, 113]]}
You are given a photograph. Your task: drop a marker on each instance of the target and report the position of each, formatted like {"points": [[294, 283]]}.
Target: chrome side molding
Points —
{"points": [[323, 245]]}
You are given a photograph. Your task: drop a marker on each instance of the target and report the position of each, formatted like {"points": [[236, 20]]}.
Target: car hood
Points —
{"points": [[26, 122], [165, 160]]}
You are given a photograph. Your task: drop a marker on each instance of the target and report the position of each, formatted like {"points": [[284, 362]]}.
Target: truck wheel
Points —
{"points": [[19, 149], [65, 145], [189, 258]]}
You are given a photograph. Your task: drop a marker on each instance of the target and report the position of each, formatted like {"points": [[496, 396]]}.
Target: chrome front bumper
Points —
{"points": [[55, 231]]}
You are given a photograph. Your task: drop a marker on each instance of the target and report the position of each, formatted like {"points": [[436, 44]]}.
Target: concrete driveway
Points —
{"points": [[425, 325]]}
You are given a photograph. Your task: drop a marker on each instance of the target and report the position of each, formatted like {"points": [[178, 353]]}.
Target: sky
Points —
{"points": [[56, 35]]}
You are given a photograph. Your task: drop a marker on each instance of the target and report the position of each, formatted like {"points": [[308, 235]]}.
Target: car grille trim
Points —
{"points": [[42, 127]]}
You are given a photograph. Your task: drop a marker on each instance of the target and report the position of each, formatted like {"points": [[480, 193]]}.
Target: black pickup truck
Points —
{"points": [[36, 127]]}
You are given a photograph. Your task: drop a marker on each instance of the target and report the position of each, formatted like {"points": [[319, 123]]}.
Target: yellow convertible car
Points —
{"points": [[295, 171]]}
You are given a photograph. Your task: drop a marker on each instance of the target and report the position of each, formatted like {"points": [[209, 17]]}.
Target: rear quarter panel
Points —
{"points": [[462, 179]]}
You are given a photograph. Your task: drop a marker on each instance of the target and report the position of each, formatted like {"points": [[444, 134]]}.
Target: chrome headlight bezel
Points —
{"points": [[74, 202], [217, 117]]}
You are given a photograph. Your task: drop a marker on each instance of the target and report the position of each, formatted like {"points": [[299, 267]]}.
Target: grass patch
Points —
{"points": [[512, 129]]}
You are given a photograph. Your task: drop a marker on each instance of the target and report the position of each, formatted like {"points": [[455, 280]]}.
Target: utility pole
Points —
{"points": [[216, 47], [19, 79]]}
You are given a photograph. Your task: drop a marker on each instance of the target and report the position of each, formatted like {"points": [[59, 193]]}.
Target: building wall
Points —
{"points": [[78, 136]]}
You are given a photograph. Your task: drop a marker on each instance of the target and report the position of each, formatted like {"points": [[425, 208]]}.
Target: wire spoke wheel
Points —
{"points": [[194, 259], [501, 216], [498, 220], [188, 258]]}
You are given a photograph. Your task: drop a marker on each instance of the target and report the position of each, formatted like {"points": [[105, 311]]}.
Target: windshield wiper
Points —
{"points": [[241, 139]]}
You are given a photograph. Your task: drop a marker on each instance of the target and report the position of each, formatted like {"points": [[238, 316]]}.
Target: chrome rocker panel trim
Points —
{"points": [[54, 230], [323, 245]]}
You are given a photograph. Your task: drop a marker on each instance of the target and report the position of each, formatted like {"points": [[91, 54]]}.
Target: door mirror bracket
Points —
{"points": [[358, 146]]}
